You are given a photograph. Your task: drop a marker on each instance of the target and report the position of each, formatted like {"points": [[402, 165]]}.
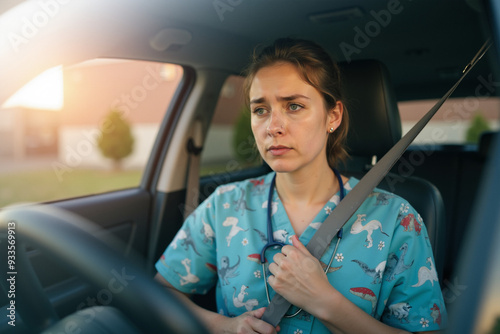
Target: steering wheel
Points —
{"points": [[69, 239]]}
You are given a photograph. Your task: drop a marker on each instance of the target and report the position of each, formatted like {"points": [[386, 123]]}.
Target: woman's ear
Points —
{"points": [[335, 116]]}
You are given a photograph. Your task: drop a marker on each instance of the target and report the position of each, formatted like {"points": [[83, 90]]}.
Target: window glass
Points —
{"points": [[230, 145], [458, 121], [83, 129]]}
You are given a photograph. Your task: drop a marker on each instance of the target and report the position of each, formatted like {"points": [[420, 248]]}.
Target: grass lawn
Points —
{"points": [[44, 185]]}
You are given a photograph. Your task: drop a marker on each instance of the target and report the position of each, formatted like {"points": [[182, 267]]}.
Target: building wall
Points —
{"points": [[450, 124], [78, 147]]}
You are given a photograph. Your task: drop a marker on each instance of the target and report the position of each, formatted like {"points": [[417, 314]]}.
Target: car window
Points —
{"points": [[82, 129], [459, 121], [229, 145]]}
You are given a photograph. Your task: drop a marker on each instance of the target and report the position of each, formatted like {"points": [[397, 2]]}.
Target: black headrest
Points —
{"points": [[485, 143], [375, 124]]}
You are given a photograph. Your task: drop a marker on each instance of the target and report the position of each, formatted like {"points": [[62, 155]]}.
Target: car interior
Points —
{"points": [[91, 256]]}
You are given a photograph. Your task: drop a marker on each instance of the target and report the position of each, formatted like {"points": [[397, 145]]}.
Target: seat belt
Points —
{"points": [[194, 148], [353, 200]]}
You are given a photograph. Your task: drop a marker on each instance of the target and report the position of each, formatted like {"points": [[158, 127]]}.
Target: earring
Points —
{"points": [[331, 130]]}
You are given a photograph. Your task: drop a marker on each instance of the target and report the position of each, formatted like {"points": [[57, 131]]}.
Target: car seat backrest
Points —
{"points": [[375, 126], [485, 141]]}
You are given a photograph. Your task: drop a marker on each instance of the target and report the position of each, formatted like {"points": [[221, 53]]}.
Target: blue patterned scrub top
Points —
{"points": [[384, 262]]}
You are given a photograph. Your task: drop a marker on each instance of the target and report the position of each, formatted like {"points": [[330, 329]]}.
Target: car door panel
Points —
{"points": [[122, 215]]}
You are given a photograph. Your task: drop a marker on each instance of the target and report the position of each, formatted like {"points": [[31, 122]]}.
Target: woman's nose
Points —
{"points": [[276, 125]]}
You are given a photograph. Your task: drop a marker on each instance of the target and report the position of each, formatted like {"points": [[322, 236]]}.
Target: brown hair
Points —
{"points": [[317, 69]]}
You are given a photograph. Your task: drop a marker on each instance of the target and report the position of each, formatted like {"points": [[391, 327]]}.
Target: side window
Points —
{"points": [[460, 121], [230, 145], [83, 129]]}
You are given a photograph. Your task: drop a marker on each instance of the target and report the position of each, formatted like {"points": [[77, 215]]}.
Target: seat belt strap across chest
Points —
{"points": [[353, 200]]}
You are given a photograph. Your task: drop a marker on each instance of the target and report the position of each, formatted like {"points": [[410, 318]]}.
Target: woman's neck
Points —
{"points": [[310, 187]]}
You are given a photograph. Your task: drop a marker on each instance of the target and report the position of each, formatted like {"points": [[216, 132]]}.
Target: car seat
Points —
{"points": [[375, 126]]}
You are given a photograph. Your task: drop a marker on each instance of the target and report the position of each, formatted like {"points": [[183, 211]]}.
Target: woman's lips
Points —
{"points": [[278, 150]]}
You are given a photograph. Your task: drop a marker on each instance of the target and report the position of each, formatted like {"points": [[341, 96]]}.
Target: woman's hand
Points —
{"points": [[249, 322], [298, 276]]}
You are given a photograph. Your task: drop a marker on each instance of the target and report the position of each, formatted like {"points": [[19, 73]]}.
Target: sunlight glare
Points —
{"points": [[45, 91]]}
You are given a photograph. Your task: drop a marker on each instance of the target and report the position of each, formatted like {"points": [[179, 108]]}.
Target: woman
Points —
{"points": [[371, 283]]}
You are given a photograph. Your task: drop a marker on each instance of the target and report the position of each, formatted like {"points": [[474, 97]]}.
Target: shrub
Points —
{"points": [[115, 140], [478, 125]]}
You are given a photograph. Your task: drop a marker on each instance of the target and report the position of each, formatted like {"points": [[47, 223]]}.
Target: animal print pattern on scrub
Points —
{"points": [[383, 264]]}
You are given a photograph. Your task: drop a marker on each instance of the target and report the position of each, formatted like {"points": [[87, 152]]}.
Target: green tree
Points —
{"points": [[478, 125], [244, 146], [115, 140]]}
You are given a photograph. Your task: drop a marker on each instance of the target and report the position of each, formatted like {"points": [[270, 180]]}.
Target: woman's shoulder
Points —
{"points": [[382, 203]]}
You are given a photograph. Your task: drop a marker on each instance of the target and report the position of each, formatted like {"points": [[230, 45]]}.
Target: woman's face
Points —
{"points": [[289, 119]]}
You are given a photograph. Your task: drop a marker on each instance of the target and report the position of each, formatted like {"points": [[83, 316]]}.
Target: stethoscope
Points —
{"points": [[273, 243]]}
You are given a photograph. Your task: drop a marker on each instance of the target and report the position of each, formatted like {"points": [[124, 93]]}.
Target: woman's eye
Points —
{"points": [[259, 111], [295, 107]]}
